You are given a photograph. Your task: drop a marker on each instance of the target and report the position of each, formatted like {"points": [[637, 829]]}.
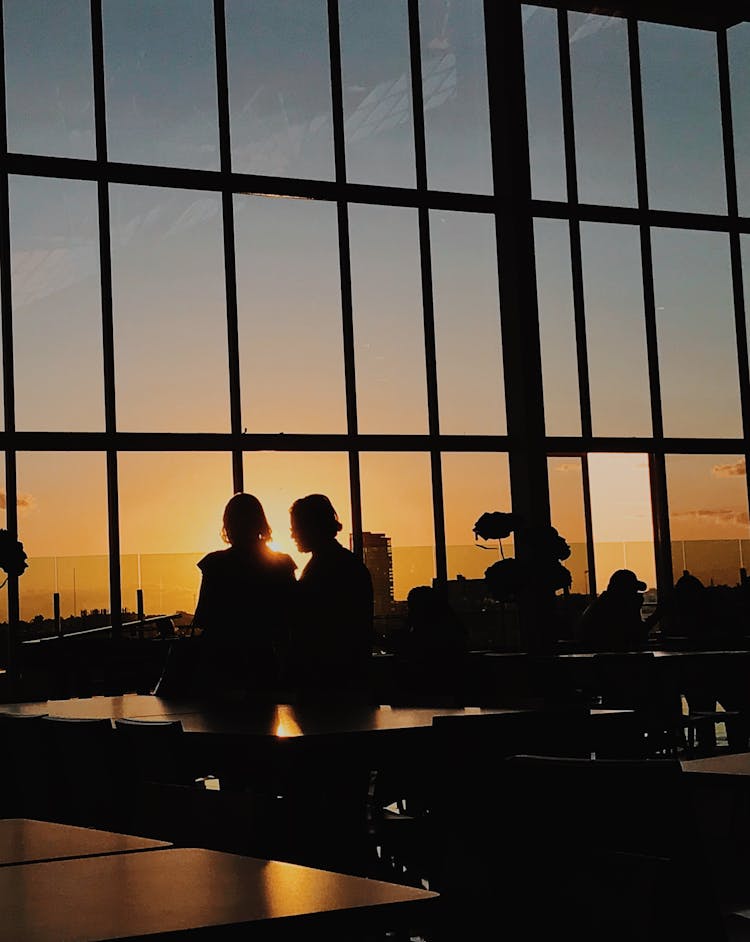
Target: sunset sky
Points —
{"points": [[168, 277]]}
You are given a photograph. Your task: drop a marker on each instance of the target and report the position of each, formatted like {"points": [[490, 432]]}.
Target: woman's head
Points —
{"points": [[244, 521], [314, 522]]}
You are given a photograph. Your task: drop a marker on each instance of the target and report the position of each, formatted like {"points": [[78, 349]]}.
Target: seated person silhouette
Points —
{"points": [[246, 597], [612, 622], [331, 641], [431, 658]]}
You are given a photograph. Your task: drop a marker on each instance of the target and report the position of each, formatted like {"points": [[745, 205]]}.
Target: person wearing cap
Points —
{"points": [[612, 622], [331, 641]]}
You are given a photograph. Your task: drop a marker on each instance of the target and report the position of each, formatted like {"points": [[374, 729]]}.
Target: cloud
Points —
{"points": [[736, 470], [24, 501], [720, 517]]}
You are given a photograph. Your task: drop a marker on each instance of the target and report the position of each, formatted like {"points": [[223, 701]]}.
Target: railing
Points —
{"points": [[138, 625]]}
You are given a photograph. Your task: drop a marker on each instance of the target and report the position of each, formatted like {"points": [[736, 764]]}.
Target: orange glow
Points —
{"points": [[286, 723]]}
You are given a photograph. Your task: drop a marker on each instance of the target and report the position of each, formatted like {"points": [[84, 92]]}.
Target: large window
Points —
{"points": [[299, 246]]}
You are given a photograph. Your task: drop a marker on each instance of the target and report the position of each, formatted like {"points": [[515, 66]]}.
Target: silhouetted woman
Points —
{"points": [[246, 596], [331, 644]]}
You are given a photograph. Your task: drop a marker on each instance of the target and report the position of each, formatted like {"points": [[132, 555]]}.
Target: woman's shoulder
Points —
{"points": [[279, 562], [213, 561]]}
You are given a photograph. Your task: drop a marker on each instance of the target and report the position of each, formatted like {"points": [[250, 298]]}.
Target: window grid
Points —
{"points": [[513, 209]]}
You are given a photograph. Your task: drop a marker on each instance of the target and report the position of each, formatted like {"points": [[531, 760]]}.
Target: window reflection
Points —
{"points": [[388, 320], [280, 88], [602, 109], [169, 308], [376, 76], [454, 93], [279, 478], [473, 484], [621, 517], [544, 103], [289, 308], [615, 330], [57, 317], [562, 411], [696, 334], [568, 517], [160, 74], [397, 521], [682, 119], [467, 324], [62, 523], [738, 38], [171, 505], [48, 75], [708, 517]]}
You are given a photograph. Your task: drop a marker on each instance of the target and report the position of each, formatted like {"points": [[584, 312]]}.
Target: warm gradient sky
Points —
{"points": [[168, 273]]}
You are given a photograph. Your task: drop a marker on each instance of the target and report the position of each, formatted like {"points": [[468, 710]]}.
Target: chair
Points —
{"points": [[28, 773], [89, 781], [153, 750], [609, 846]]}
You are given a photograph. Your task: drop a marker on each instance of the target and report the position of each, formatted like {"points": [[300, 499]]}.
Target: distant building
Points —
{"points": [[378, 558]]}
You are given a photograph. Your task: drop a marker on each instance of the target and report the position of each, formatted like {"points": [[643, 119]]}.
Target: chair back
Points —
{"points": [[27, 769], [611, 845], [88, 780], [153, 750]]}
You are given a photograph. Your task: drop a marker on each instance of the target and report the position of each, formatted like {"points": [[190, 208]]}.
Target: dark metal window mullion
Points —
{"points": [[573, 222], [589, 525], [108, 344], [428, 313], [735, 246], [345, 273], [657, 463], [230, 265]]}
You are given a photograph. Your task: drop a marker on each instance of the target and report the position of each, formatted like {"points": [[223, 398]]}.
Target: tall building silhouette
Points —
{"points": [[378, 558]]}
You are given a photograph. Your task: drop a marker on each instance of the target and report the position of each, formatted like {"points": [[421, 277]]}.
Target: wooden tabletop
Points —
{"points": [[173, 893], [25, 841], [277, 720], [736, 764]]}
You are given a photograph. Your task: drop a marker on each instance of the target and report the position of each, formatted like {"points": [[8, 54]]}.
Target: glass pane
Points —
{"points": [[4, 590], [376, 75], [708, 518], [682, 119], [57, 320], [289, 309], [388, 320], [557, 332], [615, 330], [280, 88], [160, 74], [169, 306], [454, 91], [473, 484], [467, 333], [544, 104], [397, 520], [62, 522], [48, 75], [171, 505], [739, 73], [621, 518], [568, 517], [279, 478], [696, 334], [602, 109]]}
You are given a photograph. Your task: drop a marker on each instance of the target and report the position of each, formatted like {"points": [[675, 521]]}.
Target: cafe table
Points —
{"points": [[23, 840], [197, 894]]}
